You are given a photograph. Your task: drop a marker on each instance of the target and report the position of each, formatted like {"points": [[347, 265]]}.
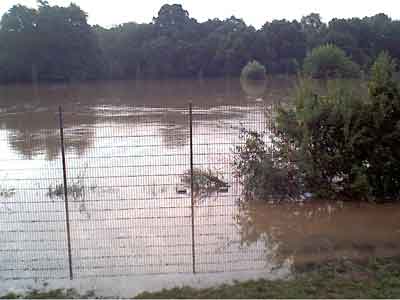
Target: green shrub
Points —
{"points": [[329, 61], [254, 71], [339, 144], [263, 176], [324, 135], [383, 137]]}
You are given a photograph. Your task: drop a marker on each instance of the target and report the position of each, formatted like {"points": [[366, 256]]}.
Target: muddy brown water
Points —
{"points": [[127, 144], [321, 231]]}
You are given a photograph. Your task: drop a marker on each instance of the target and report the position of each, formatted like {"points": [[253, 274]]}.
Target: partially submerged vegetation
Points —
{"points": [[377, 278], [6, 192], [253, 71], [205, 182], [333, 145], [75, 190]]}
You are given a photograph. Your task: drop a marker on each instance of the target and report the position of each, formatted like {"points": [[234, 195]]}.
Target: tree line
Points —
{"points": [[53, 43]]}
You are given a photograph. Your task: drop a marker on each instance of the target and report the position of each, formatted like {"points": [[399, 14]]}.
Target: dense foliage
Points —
{"points": [[56, 43], [254, 71], [329, 61], [51, 43], [335, 143]]}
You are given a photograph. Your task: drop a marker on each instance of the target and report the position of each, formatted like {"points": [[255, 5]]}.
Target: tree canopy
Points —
{"points": [[50, 43], [329, 61], [57, 43]]}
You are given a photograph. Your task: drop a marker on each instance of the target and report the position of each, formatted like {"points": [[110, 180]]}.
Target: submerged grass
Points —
{"points": [[6, 192], [375, 278], [205, 182]]}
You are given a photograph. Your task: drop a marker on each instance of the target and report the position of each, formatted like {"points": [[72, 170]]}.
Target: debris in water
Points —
{"points": [[181, 189], [205, 182]]}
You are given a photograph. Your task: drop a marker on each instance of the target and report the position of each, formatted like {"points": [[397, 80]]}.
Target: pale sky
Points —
{"points": [[253, 12]]}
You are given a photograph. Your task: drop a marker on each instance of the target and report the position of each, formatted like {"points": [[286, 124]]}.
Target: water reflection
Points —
{"points": [[254, 88], [174, 135], [33, 134], [29, 112]]}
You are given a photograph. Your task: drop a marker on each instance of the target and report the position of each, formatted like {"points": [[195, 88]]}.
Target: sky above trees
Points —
{"points": [[253, 12]]}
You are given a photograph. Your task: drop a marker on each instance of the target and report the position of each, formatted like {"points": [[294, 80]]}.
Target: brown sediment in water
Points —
{"points": [[322, 231], [130, 140]]}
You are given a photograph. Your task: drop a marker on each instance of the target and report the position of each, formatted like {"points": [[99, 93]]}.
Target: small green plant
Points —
{"points": [[254, 71], [329, 61]]}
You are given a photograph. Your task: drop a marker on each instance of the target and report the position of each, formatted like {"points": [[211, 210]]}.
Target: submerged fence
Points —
{"points": [[125, 191]]}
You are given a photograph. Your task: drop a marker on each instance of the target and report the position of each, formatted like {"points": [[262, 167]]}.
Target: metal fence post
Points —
{"points": [[192, 184], [65, 191]]}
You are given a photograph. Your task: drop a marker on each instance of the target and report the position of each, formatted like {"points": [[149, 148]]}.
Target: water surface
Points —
{"points": [[127, 150]]}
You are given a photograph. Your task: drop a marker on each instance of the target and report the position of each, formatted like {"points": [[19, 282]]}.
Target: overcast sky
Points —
{"points": [[254, 12]]}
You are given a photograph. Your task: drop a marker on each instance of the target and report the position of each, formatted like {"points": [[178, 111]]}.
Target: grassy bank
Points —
{"points": [[52, 294], [376, 278]]}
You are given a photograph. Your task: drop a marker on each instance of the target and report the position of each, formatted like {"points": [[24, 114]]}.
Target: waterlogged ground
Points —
{"points": [[127, 150], [344, 279]]}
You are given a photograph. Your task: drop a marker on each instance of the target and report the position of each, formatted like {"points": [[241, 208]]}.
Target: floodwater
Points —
{"points": [[127, 152]]}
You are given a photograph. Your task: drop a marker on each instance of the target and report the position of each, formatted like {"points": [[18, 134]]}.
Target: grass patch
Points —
{"points": [[377, 278], [52, 294]]}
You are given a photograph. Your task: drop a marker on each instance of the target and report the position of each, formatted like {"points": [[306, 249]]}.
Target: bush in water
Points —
{"points": [[254, 71], [338, 144]]}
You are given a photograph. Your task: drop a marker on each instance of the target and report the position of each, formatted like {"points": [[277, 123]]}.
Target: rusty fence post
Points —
{"points": [[65, 191], [192, 185]]}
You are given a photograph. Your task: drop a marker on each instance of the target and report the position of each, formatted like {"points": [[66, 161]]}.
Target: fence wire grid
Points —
{"points": [[148, 191]]}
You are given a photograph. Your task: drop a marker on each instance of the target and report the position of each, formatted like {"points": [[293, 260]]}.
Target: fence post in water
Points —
{"points": [[192, 184], [65, 191]]}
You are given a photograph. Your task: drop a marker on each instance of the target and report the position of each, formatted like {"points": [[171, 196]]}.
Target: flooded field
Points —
{"points": [[128, 155]]}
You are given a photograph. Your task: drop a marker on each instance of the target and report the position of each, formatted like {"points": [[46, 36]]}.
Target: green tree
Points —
{"points": [[314, 29], [329, 61], [50, 43], [383, 135], [19, 45], [56, 43], [285, 46]]}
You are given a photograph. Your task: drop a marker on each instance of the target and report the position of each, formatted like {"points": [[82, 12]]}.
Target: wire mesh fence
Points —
{"points": [[145, 191]]}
